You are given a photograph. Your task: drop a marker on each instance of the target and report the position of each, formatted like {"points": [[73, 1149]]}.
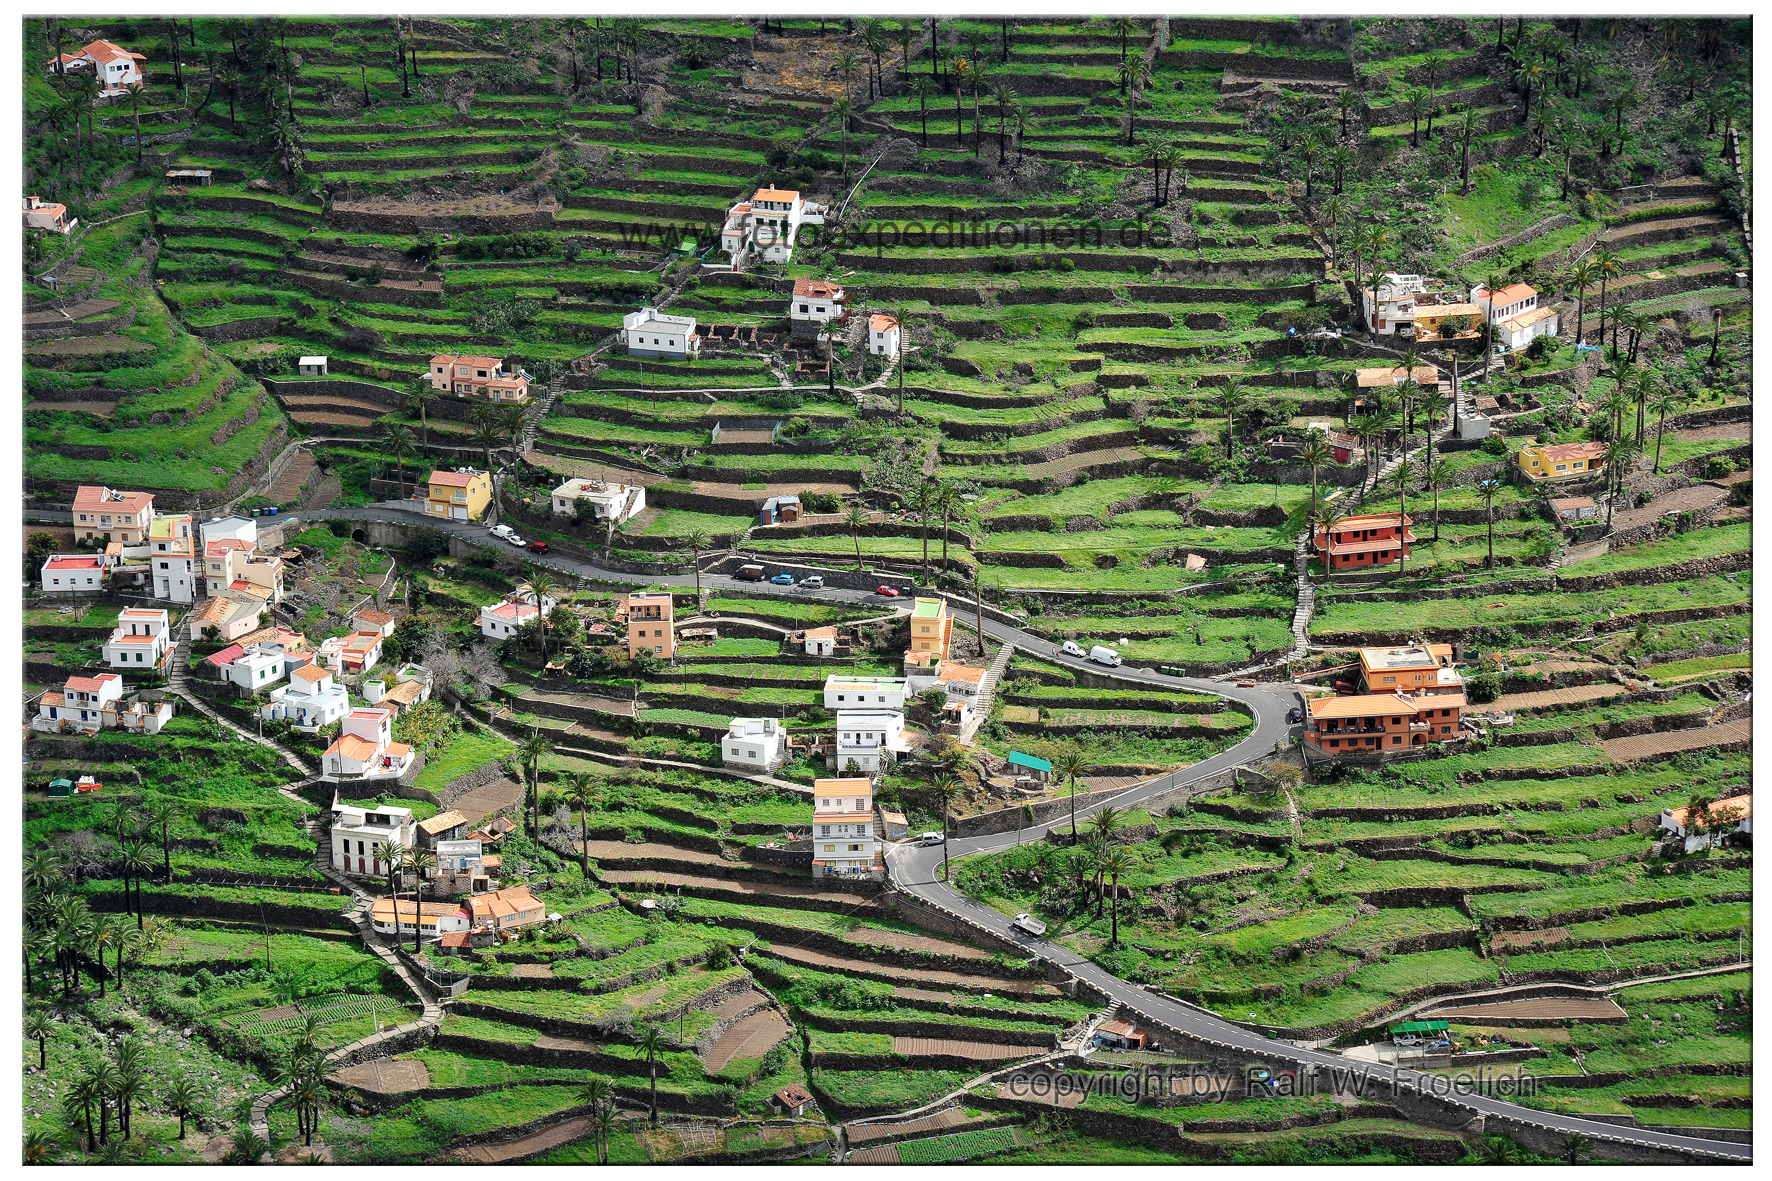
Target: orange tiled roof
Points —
{"points": [[352, 747]]}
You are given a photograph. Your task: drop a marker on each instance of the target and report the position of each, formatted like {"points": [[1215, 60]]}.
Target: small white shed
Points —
{"points": [[311, 367]]}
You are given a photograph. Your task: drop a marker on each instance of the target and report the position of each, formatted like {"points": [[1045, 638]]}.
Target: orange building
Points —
{"points": [[1382, 723], [1373, 539], [650, 616], [932, 627], [1418, 668]]}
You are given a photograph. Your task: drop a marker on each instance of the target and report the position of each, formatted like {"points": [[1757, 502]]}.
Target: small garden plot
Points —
{"points": [[1685, 703], [1677, 671], [962, 1146]]}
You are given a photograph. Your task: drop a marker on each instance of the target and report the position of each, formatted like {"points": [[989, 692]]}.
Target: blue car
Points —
{"points": [[783, 580]]}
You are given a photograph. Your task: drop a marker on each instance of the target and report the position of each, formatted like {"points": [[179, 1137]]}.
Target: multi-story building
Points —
{"points": [[48, 215], [1413, 668], [1382, 723], [1551, 463], [359, 833], [141, 640], [764, 226], [365, 748], [1365, 541], [1516, 314], [655, 335], [754, 744], [173, 554], [867, 740], [80, 706], [479, 377], [607, 501], [458, 495], [310, 700], [842, 691], [843, 842], [257, 667], [116, 68], [883, 335], [932, 627], [651, 619], [1400, 298], [815, 305], [106, 514]]}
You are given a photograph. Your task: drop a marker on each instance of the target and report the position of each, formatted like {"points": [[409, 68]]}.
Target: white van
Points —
{"points": [[1103, 655], [1069, 648]]}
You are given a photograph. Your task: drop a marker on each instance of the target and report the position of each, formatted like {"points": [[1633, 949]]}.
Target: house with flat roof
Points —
{"points": [[932, 627], [605, 500], [310, 700], [844, 691], [359, 832], [142, 639], [764, 226], [754, 744], [660, 336], [868, 740], [651, 619], [1411, 668]]}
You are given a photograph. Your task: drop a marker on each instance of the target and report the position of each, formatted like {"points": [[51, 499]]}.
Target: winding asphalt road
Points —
{"points": [[913, 868]]}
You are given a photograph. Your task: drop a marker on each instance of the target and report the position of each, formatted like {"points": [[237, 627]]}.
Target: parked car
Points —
{"points": [[518, 542], [886, 592], [783, 580], [1295, 715], [1028, 924], [1245, 684], [501, 530], [1101, 654], [751, 573], [814, 582], [538, 547], [1069, 648], [930, 838]]}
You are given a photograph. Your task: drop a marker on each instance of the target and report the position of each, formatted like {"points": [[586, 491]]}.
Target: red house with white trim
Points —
{"points": [[1362, 542]]}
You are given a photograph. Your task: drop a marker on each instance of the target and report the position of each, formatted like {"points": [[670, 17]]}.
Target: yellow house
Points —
{"points": [[932, 628], [458, 496], [1430, 319], [1561, 461]]}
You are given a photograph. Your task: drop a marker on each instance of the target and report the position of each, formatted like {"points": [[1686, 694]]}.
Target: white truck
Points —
{"points": [[1101, 654]]}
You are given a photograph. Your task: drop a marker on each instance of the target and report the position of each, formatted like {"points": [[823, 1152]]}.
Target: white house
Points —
{"points": [[821, 641], [883, 335], [173, 554], [73, 574], [115, 67], [754, 744], [365, 748], [356, 653], [311, 366], [843, 842], [609, 501], [502, 620], [868, 738], [765, 226], [231, 612], [814, 305], [655, 335], [309, 701], [141, 639], [849, 692], [48, 215], [233, 528], [369, 619], [259, 666], [80, 705], [1515, 313], [1721, 819], [357, 834]]}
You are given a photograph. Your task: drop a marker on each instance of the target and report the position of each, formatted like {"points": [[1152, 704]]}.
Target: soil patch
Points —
{"points": [[387, 1076], [535, 1142], [788, 889], [621, 850], [752, 1037], [1539, 699], [1641, 746], [1536, 1009], [1506, 940], [929, 1123], [876, 937], [951, 1048], [822, 961], [489, 799], [535, 971]]}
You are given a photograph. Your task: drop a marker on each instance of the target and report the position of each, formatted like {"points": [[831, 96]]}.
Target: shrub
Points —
{"points": [[1742, 493], [1484, 687], [1495, 444], [1719, 466]]}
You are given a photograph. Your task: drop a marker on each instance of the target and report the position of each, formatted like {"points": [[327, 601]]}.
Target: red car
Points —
{"points": [[538, 547], [886, 592]]}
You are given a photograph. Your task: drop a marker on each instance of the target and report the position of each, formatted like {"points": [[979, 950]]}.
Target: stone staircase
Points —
{"points": [[987, 689]]}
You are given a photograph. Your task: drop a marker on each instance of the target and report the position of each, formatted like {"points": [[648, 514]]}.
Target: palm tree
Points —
{"points": [[906, 34], [1119, 861], [947, 501], [40, 1148], [924, 499], [1018, 119], [856, 517], [1667, 402], [103, 1073], [102, 935], [39, 1026], [1231, 398], [977, 78], [1308, 152], [397, 436], [847, 67], [1466, 130], [420, 862], [1137, 73], [1125, 26], [531, 750], [1347, 99], [181, 1099], [488, 436], [603, 1123], [420, 399], [1578, 278], [1003, 97], [160, 812], [1416, 104], [697, 541], [594, 1093], [1314, 452], [651, 1041], [1376, 426], [1376, 240], [842, 109], [1401, 477], [1608, 266], [947, 790], [1488, 489], [875, 40], [87, 1094], [1439, 474], [923, 88], [541, 588], [1071, 765], [580, 795], [392, 856], [1526, 78], [1618, 453], [1576, 1146]]}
